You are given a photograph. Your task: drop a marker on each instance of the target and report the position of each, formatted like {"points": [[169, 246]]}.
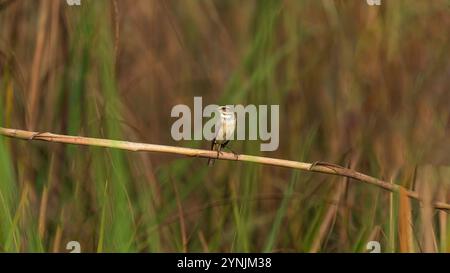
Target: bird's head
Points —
{"points": [[226, 111]]}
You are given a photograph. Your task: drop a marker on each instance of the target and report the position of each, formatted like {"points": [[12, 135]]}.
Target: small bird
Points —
{"points": [[227, 125]]}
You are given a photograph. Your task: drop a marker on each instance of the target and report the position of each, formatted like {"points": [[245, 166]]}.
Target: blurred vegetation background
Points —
{"points": [[362, 86]]}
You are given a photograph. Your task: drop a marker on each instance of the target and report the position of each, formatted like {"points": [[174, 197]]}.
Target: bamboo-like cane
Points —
{"points": [[319, 167]]}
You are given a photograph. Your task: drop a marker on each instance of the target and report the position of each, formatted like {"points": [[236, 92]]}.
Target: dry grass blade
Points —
{"points": [[327, 223], [36, 67], [443, 220], [184, 239], [404, 223], [425, 188], [43, 212]]}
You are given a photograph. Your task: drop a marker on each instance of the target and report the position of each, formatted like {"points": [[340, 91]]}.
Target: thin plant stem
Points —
{"points": [[319, 167]]}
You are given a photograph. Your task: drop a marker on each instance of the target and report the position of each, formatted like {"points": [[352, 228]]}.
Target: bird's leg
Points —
{"points": [[218, 150]]}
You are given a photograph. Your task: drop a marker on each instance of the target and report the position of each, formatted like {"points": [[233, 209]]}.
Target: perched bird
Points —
{"points": [[227, 125]]}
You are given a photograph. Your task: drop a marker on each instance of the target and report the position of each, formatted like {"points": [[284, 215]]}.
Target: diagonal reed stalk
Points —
{"points": [[320, 167]]}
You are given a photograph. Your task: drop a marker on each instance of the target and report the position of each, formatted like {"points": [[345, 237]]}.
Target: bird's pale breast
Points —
{"points": [[226, 130]]}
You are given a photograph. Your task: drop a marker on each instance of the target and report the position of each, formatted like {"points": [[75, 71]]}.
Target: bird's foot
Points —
{"points": [[236, 155]]}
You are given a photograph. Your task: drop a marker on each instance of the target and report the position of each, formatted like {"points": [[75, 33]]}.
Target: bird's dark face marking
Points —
{"points": [[225, 109]]}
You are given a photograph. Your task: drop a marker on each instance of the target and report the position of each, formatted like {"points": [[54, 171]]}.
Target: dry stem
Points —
{"points": [[321, 167]]}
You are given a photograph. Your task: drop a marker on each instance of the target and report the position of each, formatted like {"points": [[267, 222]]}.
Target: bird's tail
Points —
{"points": [[211, 162], [214, 147]]}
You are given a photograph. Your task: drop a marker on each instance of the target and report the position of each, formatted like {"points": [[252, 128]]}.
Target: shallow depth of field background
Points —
{"points": [[360, 86]]}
